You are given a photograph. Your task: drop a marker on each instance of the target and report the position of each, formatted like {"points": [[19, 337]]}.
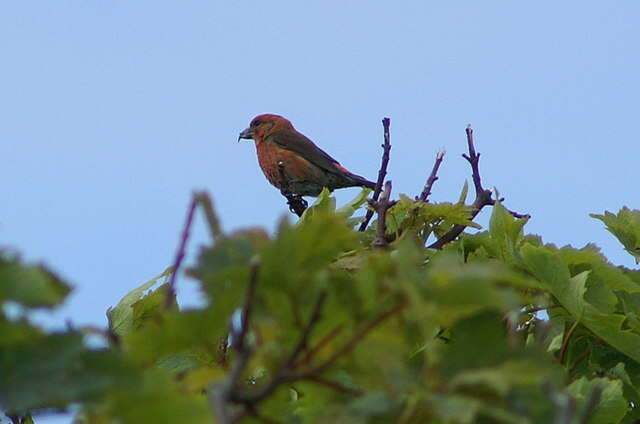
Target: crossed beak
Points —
{"points": [[246, 133]]}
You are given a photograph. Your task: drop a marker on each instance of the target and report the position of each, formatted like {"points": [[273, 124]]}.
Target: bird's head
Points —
{"points": [[263, 125]]}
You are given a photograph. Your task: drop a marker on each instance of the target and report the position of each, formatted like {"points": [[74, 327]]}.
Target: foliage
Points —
{"points": [[312, 325]]}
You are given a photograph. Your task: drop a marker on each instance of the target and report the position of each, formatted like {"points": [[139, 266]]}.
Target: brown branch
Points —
{"points": [[296, 203], [238, 340], [304, 340], [336, 386], [209, 213], [171, 292], [287, 375], [381, 207], [483, 196], [433, 177], [221, 393], [349, 345], [382, 173], [322, 343]]}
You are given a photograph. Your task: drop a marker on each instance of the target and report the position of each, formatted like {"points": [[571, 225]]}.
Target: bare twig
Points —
{"points": [[212, 219], [287, 375], [322, 343], [171, 292], [304, 340], [382, 173], [221, 393], [351, 343], [433, 177], [381, 207], [483, 196], [239, 340], [336, 386], [296, 203]]}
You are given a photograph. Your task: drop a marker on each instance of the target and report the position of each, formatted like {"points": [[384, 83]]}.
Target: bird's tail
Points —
{"points": [[361, 181]]}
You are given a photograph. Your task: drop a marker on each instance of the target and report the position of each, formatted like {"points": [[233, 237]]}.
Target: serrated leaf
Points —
{"points": [[625, 226], [549, 268]]}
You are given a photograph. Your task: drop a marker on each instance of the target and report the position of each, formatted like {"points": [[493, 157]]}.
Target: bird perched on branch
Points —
{"points": [[293, 163]]}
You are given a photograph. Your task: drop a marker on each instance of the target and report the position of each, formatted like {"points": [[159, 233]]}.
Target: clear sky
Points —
{"points": [[112, 112]]}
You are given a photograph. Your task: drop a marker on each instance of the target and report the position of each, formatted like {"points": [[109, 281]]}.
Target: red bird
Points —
{"points": [[293, 163]]}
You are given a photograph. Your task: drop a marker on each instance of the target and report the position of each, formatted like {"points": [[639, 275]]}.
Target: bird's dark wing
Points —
{"points": [[298, 143]]}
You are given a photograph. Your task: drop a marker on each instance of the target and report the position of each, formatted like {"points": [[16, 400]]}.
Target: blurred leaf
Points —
{"points": [[29, 285], [57, 370], [611, 407], [157, 399], [625, 226], [323, 204], [121, 316], [356, 203]]}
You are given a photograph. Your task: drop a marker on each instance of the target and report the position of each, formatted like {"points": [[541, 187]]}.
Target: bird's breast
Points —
{"points": [[295, 168]]}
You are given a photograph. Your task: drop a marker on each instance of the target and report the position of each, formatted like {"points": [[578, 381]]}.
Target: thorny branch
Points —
{"points": [[296, 203], [382, 173], [483, 196]]}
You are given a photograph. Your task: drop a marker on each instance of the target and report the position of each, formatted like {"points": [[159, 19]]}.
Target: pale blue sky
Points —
{"points": [[112, 112]]}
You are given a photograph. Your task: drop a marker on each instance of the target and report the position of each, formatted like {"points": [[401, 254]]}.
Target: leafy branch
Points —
{"points": [[232, 392]]}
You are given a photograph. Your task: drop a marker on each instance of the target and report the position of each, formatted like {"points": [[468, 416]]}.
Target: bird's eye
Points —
{"points": [[255, 123]]}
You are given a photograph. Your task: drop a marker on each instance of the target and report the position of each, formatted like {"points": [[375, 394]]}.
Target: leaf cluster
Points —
{"points": [[312, 325]]}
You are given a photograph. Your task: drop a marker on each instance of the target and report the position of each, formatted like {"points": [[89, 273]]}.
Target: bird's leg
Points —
{"points": [[296, 203]]}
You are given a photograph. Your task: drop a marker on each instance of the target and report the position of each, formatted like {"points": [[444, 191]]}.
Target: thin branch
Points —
{"points": [[349, 345], [171, 292], [212, 219], [381, 207], [239, 340], [221, 393], [286, 375], [483, 196], [382, 173], [336, 386], [433, 177], [304, 340], [296, 203], [565, 342], [322, 343]]}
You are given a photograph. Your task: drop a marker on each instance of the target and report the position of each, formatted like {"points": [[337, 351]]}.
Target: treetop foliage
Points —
{"points": [[312, 325]]}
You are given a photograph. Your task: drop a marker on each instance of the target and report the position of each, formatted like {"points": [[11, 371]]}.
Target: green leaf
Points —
{"points": [[56, 370], [625, 226], [549, 268], [323, 204], [31, 286], [482, 334], [156, 399], [463, 194], [356, 203], [121, 317], [612, 405], [506, 233]]}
